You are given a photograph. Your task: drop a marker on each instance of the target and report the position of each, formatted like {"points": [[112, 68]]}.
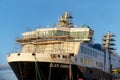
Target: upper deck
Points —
{"points": [[64, 30]]}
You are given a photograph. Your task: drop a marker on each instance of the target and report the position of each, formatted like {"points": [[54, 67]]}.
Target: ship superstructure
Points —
{"points": [[64, 52]]}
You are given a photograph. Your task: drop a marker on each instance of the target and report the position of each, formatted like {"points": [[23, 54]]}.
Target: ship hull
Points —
{"points": [[45, 71], [56, 71]]}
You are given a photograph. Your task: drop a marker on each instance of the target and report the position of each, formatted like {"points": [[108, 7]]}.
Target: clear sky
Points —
{"points": [[6, 73], [17, 16]]}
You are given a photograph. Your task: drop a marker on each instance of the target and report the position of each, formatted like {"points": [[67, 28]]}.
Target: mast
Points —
{"points": [[65, 20], [108, 44]]}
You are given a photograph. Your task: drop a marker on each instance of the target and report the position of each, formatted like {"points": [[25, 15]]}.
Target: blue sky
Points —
{"points": [[17, 16], [6, 73]]}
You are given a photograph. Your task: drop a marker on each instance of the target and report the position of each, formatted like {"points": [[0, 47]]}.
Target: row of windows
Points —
{"points": [[99, 64], [78, 35], [53, 33], [90, 62], [94, 53], [90, 52]]}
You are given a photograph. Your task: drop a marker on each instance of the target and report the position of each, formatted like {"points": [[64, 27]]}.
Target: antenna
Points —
{"points": [[65, 20]]}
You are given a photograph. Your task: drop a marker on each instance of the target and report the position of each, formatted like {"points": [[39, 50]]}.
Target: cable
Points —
{"points": [[21, 75]]}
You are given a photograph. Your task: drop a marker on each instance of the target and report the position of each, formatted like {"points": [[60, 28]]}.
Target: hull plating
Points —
{"points": [[45, 71]]}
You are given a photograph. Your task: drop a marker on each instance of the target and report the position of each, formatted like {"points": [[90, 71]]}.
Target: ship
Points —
{"points": [[63, 52]]}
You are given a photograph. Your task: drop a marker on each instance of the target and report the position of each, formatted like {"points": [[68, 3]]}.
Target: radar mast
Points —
{"points": [[65, 20]]}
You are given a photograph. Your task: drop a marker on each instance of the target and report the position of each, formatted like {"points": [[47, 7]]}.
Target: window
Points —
{"points": [[99, 64], [81, 60], [85, 61], [82, 51], [88, 61]]}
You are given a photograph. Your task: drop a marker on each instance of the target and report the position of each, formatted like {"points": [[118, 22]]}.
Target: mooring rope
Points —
{"points": [[21, 75], [50, 72], [38, 70]]}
